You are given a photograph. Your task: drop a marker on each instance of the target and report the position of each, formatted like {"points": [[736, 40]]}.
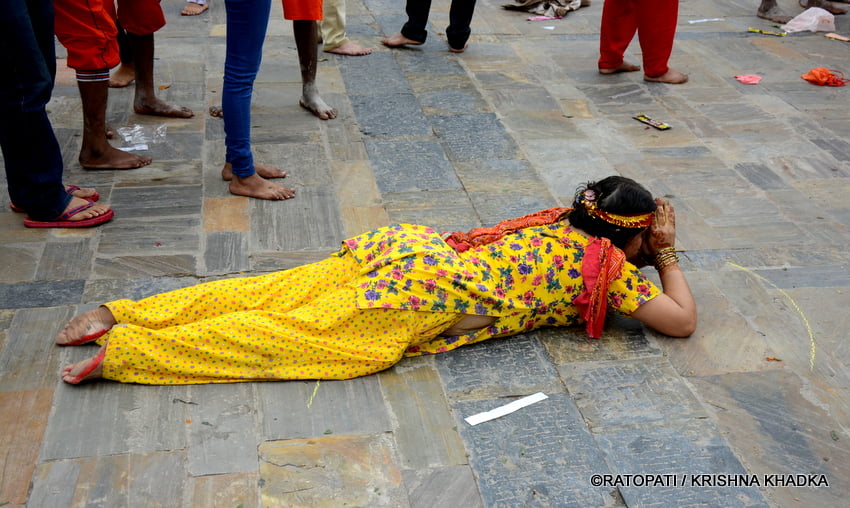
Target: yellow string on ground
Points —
{"points": [[316, 389], [812, 347]]}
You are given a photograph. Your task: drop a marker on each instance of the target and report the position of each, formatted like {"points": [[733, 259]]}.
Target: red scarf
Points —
{"points": [[602, 262]]}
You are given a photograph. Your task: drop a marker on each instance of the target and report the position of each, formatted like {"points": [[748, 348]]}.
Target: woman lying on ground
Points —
{"points": [[402, 291]]}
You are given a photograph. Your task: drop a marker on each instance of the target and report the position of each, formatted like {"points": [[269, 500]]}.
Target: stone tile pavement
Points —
{"points": [[760, 176]]}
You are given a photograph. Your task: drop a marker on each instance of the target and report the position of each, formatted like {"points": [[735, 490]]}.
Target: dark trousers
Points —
{"points": [[457, 33], [31, 153]]}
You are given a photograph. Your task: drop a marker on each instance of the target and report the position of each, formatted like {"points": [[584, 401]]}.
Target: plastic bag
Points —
{"points": [[813, 19]]}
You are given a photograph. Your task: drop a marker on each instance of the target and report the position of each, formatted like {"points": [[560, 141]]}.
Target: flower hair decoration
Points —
{"points": [[589, 198]]}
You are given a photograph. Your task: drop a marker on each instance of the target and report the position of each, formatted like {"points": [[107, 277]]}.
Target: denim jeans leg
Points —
{"points": [[460, 17], [417, 20], [32, 157], [247, 21]]}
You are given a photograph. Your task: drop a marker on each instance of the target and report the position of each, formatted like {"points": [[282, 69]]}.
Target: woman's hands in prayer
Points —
{"points": [[662, 231]]}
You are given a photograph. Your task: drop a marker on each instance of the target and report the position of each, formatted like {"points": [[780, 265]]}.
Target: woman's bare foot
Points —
{"points": [[86, 370], [350, 48], [623, 67], [123, 76], [86, 327], [398, 40], [671, 77], [255, 186], [110, 157], [193, 9], [157, 107], [263, 170], [311, 101]]}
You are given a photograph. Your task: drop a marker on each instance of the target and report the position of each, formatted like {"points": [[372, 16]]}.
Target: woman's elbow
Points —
{"points": [[682, 327]]}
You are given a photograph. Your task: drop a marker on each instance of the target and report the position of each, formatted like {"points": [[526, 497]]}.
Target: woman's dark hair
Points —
{"points": [[614, 194]]}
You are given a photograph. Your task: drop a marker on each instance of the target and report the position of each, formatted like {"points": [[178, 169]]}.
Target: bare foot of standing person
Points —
{"points": [[623, 67], [263, 170], [255, 186], [123, 76], [398, 40], [311, 101], [350, 48], [770, 11], [671, 77], [193, 9], [823, 4]]}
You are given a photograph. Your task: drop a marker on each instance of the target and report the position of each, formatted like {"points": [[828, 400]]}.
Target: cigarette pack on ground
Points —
{"points": [[649, 121]]}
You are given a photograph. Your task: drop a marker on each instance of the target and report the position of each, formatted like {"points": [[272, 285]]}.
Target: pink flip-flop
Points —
{"points": [[70, 189], [63, 221], [93, 364]]}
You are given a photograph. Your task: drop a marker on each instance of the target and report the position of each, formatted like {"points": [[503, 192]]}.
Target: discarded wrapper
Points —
{"points": [[649, 121], [837, 37], [506, 409]]}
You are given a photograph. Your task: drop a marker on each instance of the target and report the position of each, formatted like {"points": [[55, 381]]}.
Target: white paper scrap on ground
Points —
{"points": [[506, 409]]}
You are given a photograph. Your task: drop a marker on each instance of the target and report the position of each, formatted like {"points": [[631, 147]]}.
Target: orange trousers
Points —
{"points": [[654, 21], [88, 31]]}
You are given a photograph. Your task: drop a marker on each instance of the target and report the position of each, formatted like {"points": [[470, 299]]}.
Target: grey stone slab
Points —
{"points": [[499, 205], [541, 455], [132, 236], [29, 360], [19, 262], [53, 483], [455, 98], [223, 430], [621, 339], [468, 137], [498, 367], [144, 266], [298, 409], [389, 116], [444, 486], [760, 175], [227, 252], [360, 79], [628, 392], [65, 260], [772, 421], [40, 294], [309, 222], [441, 210], [689, 448], [405, 166], [167, 200], [810, 276], [432, 64], [276, 261], [423, 426], [109, 418], [838, 148], [101, 291]]}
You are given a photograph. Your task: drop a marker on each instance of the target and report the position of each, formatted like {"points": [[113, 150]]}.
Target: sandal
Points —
{"points": [[93, 364], [64, 220], [70, 189]]}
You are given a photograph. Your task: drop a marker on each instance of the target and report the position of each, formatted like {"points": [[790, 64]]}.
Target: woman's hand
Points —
{"points": [[662, 231]]}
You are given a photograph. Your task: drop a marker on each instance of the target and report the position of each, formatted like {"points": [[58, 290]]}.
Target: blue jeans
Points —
{"points": [[32, 157], [247, 21], [460, 17]]}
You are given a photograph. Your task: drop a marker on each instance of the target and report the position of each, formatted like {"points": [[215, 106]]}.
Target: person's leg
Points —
{"points": [[279, 292], [770, 11], [458, 31], [415, 30], [141, 18], [619, 24], [657, 21], [126, 71], [329, 339], [307, 44], [247, 21], [332, 31], [88, 32]]}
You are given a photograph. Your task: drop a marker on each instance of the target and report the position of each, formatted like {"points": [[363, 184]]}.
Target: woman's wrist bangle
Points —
{"points": [[665, 257]]}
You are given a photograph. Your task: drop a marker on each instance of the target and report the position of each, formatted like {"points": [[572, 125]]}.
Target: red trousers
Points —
{"points": [[655, 23], [87, 28]]}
